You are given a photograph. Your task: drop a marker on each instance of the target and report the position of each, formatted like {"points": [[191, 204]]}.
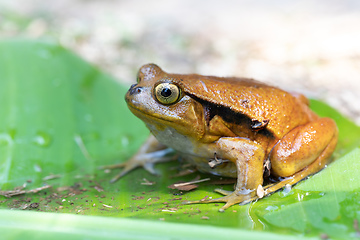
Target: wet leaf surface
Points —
{"points": [[62, 119]]}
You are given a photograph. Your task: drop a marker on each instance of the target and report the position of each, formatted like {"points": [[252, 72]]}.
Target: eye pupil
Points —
{"points": [[166, 92]]}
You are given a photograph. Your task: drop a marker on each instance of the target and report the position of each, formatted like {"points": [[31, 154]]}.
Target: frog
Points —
{"points": [[232, 127]]}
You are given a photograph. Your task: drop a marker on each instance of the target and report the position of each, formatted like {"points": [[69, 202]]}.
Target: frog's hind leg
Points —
{"points": [[150, 152], [310, 145], [302, 152]]}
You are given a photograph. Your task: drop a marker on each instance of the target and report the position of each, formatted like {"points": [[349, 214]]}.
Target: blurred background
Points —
{"points": [[312, 47]]}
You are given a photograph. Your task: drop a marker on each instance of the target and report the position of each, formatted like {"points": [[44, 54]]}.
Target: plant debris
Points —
{"points": [[51, 177], [191, 182], [34, 205], [107, 206], [204, 198], [176, 199], [168, 210], [188, 186], [98, 188], [147, 182], [137, 197], [20, 191]]}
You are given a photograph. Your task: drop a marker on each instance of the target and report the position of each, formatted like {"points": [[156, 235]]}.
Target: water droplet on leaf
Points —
{"points": [[42, 139]]}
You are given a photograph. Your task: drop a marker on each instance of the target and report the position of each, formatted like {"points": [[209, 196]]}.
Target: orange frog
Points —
{"points": [[233, 127]]}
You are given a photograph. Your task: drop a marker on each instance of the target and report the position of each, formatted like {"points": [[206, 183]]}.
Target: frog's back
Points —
{"points": [[280, 110]]}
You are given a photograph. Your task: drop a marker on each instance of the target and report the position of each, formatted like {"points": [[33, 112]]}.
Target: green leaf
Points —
{"points": [[62, 118], [24, 225], [59, 116]]}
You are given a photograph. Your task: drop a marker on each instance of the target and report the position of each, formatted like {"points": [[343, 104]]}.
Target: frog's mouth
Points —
{"points": [[149, 117]]}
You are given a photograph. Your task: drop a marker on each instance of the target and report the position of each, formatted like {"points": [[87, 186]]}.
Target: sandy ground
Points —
{"points": [[307, 46]]}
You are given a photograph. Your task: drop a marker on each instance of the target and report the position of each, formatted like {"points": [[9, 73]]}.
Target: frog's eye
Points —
{"points": [[167, 93]]}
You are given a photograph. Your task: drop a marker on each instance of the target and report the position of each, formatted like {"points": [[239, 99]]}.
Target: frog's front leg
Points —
{"points": [[248, 157], [150, 152]]}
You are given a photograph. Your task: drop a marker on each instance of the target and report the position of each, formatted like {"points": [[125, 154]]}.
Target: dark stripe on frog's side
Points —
{"points": [[230, 116]]}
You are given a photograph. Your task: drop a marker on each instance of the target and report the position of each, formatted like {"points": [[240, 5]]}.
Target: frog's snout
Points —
{"points": [[134, 89]]}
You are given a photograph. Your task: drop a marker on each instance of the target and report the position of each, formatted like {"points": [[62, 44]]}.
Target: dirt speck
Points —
{"points": [[34, 205]]}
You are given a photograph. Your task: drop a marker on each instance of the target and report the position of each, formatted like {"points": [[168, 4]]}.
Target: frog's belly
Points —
{"points": [[173, 139], [189, 151]]}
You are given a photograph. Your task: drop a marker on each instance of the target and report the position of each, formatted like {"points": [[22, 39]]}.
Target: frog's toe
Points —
{"points": [[149, 166], [229, 200], [222, 191], [145, 160], [233, 199], [128, 166]]}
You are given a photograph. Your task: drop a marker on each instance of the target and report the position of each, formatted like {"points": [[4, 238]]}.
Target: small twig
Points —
{"points": [[11, 193], [51, 177], [147, 182], [191, 182], [204, 198], [167, 210]]}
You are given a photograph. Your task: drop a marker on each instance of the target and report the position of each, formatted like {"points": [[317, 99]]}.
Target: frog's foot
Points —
{"points": [[145, 160], [230, 198]]}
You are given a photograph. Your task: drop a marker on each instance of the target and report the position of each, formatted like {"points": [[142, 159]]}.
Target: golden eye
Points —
{"points": [[167, 93]]}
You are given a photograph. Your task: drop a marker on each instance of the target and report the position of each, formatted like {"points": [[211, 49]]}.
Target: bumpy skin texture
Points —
{"points": [[237, 119]]}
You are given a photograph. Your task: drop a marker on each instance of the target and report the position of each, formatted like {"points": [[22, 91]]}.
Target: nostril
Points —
{"points": [[133, 89]]}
